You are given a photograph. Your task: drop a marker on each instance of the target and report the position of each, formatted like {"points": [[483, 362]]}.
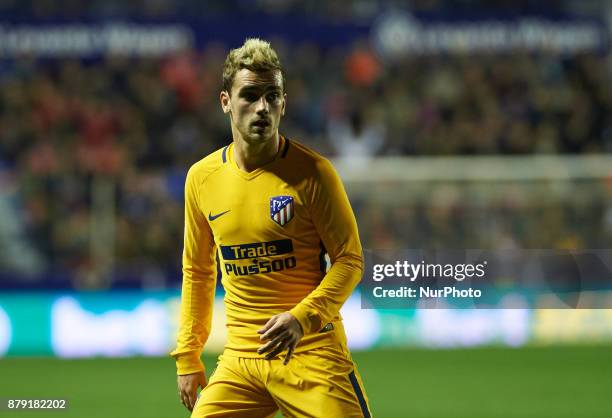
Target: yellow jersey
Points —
{"points": [[268, 231]]}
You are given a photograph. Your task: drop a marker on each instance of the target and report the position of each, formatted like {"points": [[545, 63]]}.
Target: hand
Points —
{"points": [[284, 333], [188, 388]]}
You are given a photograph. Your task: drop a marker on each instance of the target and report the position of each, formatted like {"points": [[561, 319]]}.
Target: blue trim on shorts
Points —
{"points": [[359, 393]]}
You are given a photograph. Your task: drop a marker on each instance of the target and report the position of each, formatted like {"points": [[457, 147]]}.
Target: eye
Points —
{"points": [[250, 97], [272, 97]]}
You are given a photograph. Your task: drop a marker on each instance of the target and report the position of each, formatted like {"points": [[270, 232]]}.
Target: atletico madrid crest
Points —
{"points": [[281, 209]]}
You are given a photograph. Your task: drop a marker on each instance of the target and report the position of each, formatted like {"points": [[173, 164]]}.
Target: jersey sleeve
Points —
{"points": [[199, 279], [336, 225]]}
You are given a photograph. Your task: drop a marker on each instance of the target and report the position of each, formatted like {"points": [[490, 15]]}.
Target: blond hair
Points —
{"points": [[255, 55]]}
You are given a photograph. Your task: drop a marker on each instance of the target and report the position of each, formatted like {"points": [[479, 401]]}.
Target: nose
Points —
{"points": [[262, 105]]}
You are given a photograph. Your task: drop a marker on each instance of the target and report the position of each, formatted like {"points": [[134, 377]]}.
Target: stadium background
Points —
{"points": [[454, 124]]}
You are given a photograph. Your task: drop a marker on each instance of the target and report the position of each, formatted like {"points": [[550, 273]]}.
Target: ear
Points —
{"points": [[224, 97]]}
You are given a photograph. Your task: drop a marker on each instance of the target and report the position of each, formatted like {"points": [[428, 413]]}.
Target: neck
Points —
{"points": [[250, 157]]}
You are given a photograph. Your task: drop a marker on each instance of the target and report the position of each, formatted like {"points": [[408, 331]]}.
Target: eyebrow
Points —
{"points": [[248, 89]]}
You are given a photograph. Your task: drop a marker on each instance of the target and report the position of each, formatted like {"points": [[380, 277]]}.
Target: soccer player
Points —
{"points": [[267, 209]]}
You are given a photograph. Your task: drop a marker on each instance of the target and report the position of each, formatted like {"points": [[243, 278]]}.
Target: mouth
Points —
{"points": [[261, 123]]}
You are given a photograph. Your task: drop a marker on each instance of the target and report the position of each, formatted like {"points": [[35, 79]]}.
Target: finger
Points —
{"points": [[281, 347], [274, 342], [268, 325], [266, 347], [289, 354], [192, 402], [184, 400], [273, 332], [192, 394], [189, 401]]}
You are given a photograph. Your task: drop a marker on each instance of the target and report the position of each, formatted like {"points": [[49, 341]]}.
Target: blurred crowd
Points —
{"points": [[528, 215], [139, 123]]}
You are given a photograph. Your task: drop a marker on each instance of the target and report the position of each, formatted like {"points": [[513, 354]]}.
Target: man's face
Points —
{"points": [[256, 104]]}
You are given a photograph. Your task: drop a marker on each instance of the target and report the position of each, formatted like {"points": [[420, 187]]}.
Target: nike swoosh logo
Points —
{"points": [[212, 217]]}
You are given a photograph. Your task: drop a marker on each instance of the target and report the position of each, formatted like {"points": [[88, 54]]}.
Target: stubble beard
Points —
{"points": [[260, 136]]}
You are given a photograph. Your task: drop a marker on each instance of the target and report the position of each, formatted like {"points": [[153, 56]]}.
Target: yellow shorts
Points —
{"points": [[319, 383]]}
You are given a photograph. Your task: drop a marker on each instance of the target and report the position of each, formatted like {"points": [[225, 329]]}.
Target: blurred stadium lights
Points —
{"points": [[399, 35], [82, 40], [6, 332]]}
